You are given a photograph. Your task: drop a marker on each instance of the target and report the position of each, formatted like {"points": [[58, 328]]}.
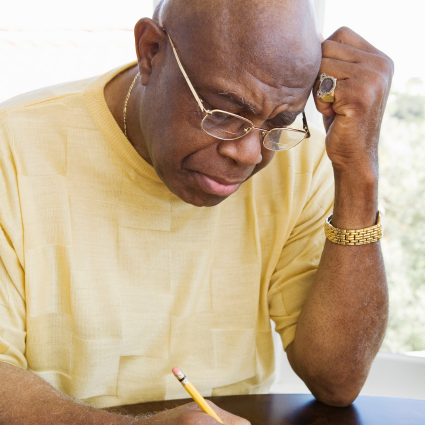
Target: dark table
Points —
{"points": [[302, 409]]}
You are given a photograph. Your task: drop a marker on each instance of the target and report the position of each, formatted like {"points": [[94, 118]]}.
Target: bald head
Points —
{"points": [[257, 59], [278, 37]]}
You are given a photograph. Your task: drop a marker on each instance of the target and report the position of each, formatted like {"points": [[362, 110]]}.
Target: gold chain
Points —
{"points": [[126, 101], [353, 237]]}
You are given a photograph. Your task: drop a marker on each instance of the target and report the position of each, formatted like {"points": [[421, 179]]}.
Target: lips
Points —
{"points": [[214, 187]]}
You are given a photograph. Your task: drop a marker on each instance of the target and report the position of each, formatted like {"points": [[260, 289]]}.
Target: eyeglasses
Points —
{"points": [[227, 126]]}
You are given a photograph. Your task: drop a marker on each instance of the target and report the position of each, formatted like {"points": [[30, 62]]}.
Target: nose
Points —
{"points": [[245, 151]]}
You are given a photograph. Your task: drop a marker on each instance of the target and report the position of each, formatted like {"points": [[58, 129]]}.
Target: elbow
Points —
{"points": [[336, 398], [339, 390], [331, 383]]}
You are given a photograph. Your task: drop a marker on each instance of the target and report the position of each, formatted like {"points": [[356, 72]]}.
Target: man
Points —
{"points": [[111, 274]]}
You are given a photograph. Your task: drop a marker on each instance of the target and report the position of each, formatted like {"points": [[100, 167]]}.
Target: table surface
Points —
{"points": [[302, 409]]}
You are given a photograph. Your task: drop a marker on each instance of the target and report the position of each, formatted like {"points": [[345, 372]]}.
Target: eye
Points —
{"points": [[222, 117], [283, 121], [277, 122]]}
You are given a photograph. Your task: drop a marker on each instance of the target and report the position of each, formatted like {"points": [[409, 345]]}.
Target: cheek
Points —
{"points": [[177, 140], [175, 146], [172, 133]]}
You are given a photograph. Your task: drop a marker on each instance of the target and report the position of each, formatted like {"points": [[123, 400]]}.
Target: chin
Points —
{"points": [[197, 198], [204, 200]]}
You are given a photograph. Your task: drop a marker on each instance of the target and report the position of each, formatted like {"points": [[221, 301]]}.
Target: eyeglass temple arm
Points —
{"points": [[305, 126], [192, 89]]}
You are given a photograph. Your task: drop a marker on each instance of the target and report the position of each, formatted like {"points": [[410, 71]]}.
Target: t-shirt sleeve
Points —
{"points": [[12, 281], [300, 256]]}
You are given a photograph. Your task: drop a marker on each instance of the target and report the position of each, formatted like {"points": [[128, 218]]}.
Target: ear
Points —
{"points": [[149, 38]]}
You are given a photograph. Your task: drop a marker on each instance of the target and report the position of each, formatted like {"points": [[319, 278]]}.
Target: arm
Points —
{"points": [[343, 321], [25, 398]]}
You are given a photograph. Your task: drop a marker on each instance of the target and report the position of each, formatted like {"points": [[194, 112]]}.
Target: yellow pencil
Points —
{"points": [[200, 401]]}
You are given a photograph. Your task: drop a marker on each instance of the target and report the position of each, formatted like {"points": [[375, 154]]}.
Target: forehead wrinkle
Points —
{"points": [[277, 102], [272, 80], [270, 97]]}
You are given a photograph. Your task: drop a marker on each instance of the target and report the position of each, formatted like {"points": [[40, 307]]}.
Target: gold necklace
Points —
{"points": [[126, 101]]}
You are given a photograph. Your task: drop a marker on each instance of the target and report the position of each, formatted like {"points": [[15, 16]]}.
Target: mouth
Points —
{"points": [[214, 187]]}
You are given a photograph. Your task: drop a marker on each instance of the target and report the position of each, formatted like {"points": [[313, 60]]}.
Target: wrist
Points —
{"points": [[356, 199]]}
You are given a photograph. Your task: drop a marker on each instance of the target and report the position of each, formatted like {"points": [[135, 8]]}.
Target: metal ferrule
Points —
{"points": [[182, 378]]}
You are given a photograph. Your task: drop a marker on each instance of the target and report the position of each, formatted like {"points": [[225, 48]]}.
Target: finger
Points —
{"points": [[344, 52], [347, 36], [344, 91], [340, 70]]}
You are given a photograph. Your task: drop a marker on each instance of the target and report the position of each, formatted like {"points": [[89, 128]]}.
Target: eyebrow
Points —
{"points": [[284, 118], [238, 100]]}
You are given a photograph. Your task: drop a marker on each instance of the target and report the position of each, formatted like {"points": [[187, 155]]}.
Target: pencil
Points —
{"points": [[200, 401]]}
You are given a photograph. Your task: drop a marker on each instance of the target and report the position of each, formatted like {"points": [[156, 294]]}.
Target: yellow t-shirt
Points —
{"points": [[108, 280]]}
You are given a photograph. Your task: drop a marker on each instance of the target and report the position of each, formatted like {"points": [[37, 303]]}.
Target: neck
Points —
{"points": [[115, 93]]}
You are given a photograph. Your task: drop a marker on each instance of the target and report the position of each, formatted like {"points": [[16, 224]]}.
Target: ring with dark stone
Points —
{"points": [[327, 88]]}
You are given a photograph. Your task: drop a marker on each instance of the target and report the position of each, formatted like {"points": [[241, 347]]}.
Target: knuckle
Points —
{"points": [[385, 65], [363, 97], [389, 65], [377, 83], [376, 80], [326, 47], [344, 32]]}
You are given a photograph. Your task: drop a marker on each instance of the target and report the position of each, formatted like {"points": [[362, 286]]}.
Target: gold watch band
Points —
{"points": [[353, 237]]}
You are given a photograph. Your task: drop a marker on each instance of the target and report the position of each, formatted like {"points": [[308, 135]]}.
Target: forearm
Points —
{"points": [[342, 324], [27, 399]]}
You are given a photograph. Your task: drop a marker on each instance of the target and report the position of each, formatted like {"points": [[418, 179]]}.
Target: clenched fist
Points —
{"points": [[354, 119]]}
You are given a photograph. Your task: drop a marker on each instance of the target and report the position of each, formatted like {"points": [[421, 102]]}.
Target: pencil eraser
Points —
{"points": [[176, 370]]}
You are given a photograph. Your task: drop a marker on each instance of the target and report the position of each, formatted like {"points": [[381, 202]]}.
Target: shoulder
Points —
{"points": [[40, 111], [45, 95], [34, 124]]}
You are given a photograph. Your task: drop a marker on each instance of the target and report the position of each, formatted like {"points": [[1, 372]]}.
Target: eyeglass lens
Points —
{"points": [[226, 126]]}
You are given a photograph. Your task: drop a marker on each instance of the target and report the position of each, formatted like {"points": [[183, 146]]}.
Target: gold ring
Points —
{"points": [[327, 87]]}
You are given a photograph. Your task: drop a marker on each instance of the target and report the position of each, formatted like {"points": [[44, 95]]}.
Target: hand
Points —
{"points": [[354, 119], [191, 414]]}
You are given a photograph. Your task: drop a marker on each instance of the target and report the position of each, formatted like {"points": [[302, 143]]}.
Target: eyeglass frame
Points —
{"points": [[207, 112]]}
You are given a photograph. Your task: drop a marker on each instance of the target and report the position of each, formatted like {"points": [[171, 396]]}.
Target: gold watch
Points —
{"points": [[353, 237]]}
